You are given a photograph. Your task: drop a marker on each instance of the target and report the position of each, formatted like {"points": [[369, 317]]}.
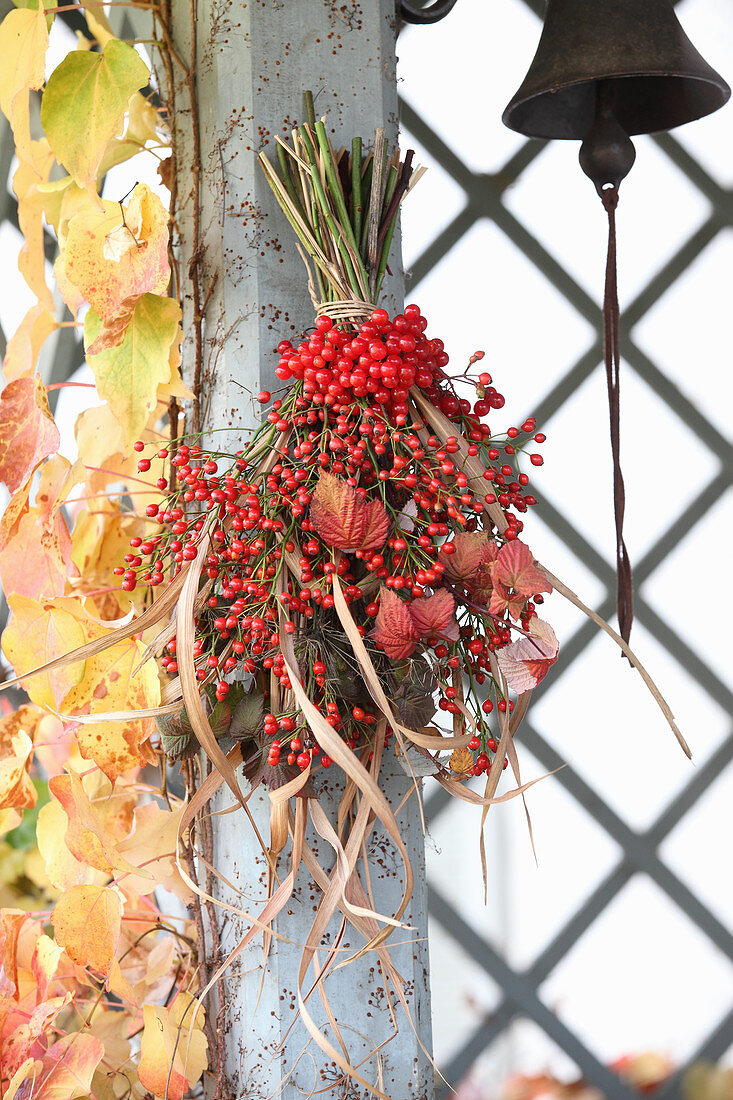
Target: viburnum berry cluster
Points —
{"points": [[344, 483]]}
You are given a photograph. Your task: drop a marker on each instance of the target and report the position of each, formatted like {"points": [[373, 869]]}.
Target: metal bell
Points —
{"points": [[653, 77]]}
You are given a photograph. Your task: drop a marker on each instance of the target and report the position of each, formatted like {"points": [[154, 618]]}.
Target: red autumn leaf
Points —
{"points": [[27, 430], [433, 616], [344, 519], [515, 578], [394, 631], [469, 565], [525, 663]]}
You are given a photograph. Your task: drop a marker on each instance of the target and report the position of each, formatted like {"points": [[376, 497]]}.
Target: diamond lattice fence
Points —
{"points": [[630, 919]]}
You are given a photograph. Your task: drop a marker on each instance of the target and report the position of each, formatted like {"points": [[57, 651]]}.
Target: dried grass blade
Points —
{"points": [[189, 683]]}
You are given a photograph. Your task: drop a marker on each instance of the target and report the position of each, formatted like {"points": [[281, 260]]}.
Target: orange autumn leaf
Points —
{"points": [[344, 518], [35, 556], [11, 923], [86, 921], [434, 616], [394, 631], [114, 257], [93, 830], [44, 963], [173, 1047], [64, 1072], [515, 578], [16, 750], [28, 433], [525, 663]]}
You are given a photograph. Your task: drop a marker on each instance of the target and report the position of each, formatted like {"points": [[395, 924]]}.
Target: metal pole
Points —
{"points": [[237, 259]]}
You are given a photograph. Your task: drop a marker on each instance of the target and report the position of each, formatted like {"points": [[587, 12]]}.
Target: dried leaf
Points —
{"points": [[86, 921], [173, 1047], [394, 631], [346, 520], [28, 433], [461, 761]]}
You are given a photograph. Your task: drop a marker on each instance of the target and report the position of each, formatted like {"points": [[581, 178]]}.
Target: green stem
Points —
{"points": [[337, 194], [356, 185]]}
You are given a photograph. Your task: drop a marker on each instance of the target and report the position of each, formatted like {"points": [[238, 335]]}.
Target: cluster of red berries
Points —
{"points": [[347, 414], [380, 361]]}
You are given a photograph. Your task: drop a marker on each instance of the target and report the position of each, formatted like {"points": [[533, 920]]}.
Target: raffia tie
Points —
{"points": [[347, 309]]}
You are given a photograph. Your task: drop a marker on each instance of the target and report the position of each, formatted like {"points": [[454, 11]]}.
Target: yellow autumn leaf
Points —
{"points": [[99, 436], [30, 174], [86, 922], [128, 375], [113, 682], [62, 199], [99, 542], [40, 630], [84, 105], [152, 847], [21, 353], [23, 45], [173, 1048], [115, 254], [63, 870]]}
